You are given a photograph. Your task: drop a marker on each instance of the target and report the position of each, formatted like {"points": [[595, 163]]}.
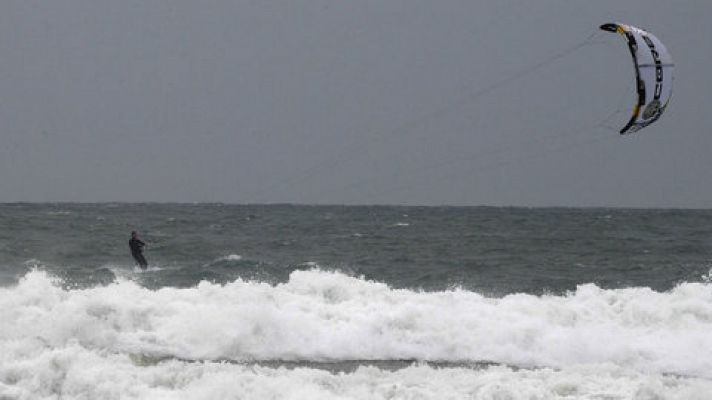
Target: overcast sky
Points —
{"points": [[348, 102]]}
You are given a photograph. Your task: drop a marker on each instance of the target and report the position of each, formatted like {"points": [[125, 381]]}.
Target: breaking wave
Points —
{"points": [[210, 339]]}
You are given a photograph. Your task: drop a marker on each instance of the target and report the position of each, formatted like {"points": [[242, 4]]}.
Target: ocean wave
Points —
{"points": [[328, 316], [230, 257], [74, 372]]}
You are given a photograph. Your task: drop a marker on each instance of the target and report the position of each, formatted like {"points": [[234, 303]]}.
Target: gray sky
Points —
{"points": [[355, 102]]}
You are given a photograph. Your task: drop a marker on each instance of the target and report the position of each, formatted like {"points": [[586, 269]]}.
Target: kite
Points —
{"points": [[653, 73]]}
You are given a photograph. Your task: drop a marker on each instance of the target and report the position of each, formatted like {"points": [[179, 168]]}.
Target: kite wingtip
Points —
{"points": [[610, 27]]}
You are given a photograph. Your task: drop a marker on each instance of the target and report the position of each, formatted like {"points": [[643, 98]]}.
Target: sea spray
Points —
{"points": [[329, 316]]}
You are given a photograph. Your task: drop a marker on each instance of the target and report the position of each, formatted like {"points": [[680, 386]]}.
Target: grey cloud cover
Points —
{"points": [[354, 102]]}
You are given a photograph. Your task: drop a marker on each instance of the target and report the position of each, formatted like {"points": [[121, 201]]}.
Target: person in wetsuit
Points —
{"points": [[136, 246]]}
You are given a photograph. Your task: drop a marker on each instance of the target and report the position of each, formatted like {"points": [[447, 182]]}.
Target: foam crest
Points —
{"points": [[73, 372], [324, 316], [230, 257]]}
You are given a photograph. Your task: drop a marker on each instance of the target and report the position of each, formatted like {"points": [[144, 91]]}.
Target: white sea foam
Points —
{"points": [[74, 372], [707, 277], [60, 212], [594, 339], [229, 257], [151, 268], [310, 264], [33, 262]]}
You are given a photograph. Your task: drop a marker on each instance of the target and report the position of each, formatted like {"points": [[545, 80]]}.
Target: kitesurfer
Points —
{"points": [[136, 246]]}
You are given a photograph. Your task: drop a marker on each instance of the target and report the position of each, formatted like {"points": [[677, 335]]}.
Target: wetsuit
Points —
{"points": [[136, 251]]}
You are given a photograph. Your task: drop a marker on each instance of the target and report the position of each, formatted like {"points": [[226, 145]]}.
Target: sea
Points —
{"points": [[354, 302]]}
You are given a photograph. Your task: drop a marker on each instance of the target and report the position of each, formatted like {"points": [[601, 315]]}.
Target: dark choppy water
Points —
{"points": [[354, 302], [492, 250]]}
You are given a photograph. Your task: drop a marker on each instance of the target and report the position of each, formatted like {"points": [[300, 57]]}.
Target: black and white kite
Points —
{"points": [[653, 71]]}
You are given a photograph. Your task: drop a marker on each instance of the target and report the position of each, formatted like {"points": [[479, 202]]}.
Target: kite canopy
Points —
{"points": [[653, 72]]}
